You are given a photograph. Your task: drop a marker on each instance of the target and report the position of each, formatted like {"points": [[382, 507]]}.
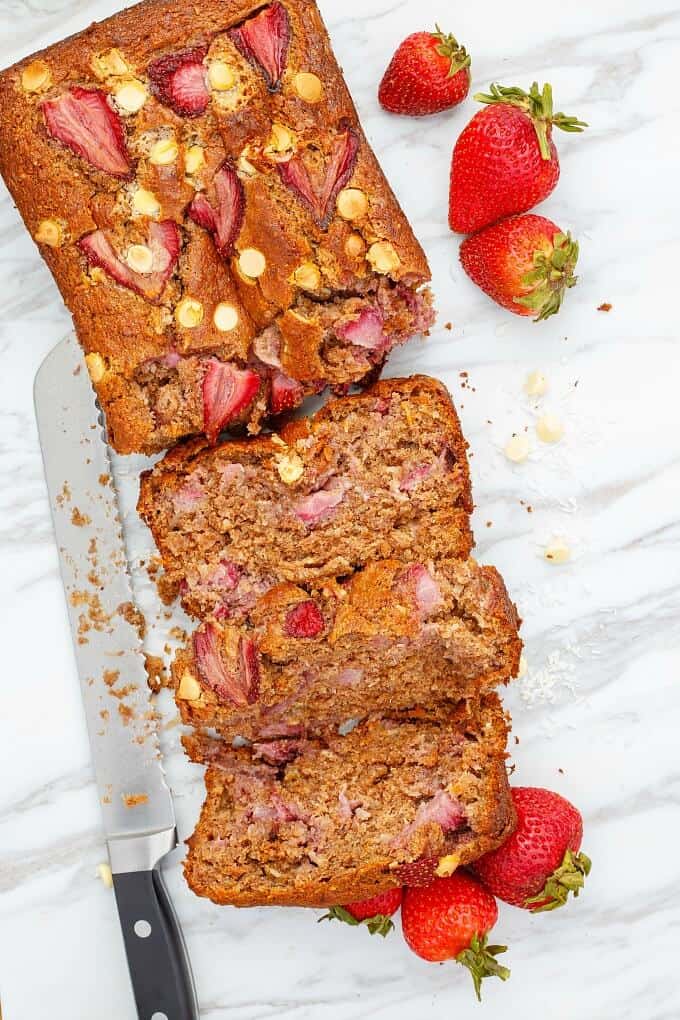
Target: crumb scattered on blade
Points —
{"points": [[79, 519], [134, 799]]}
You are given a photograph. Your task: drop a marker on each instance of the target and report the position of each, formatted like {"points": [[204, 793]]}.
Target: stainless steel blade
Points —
{"points": [[134, 796]]}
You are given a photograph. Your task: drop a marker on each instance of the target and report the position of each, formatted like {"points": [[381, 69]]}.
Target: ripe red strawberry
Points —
{"points": [[525, 263], [505, 160], [374, 913], [449, 920], [429, 73], [540, 864]]}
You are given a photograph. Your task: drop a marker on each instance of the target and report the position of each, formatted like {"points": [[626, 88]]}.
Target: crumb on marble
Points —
{"points": [[157, 675], [606, 306]]}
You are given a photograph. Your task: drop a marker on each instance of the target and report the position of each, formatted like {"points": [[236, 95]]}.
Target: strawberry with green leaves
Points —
{"points": [[450, 920], [374, 913], [541, 863], [428, 73], [525, 263], [505, 160]]}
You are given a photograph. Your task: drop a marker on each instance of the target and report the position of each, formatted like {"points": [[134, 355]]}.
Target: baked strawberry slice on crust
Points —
{"points": [[366, 331], [178, 80], [320, 196], [286, 393], [82, 120], [264, 40], [224, 219], [163, 244], [237, 680], [227, 391]]}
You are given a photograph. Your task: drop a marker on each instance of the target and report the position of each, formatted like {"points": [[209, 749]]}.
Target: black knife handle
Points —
{"points": [[157, 961]]}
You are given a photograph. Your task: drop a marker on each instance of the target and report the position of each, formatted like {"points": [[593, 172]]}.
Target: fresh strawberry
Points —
{"points": [[540, 864], [505, 160], [525, 263], [374, 913], [225, 219], [163, 240], [82, 120], [227, 391], [449, 920], [429, 73], [264, 40], [236, 680], [304, 620], [286, 393], [319, 198], [178, 80]]}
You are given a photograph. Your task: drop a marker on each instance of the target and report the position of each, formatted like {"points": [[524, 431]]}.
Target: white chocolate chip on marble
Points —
{"points": [[50, 232], [36, 76], [557, 551], [308, 86], [225, 317], [252, 263], [131, 96], [189, 313], [188, 688], [290, 467], [104, 875], [352, 203], [517, 448], [139, 257], [164, 152], [383, 258], [96, 366], [146, 203], [194, 159], [535, 384], [221, 76], [549, 429]]}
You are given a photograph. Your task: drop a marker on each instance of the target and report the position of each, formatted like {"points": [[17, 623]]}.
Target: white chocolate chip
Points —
{"points": [[355, 246], [252, 263], [189, 313], [308, 86], [517, 448], [225, 317], [36, 76], [447, 865], [352, 204], [194, 159], [50, 232], [110, 64], [549, 429], [290, 467], [104, 875], [131, 96], [96, 366], [307, 276], [281, 143], [557, 552], [189, 688], [244, 166], [146, 203], [139, 258], [522, 668], [221, 76], [383, 258], [535, 384], [164, 152]]}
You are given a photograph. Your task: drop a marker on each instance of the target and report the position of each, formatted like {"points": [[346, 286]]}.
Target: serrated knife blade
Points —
{"points": [[137, 809]]}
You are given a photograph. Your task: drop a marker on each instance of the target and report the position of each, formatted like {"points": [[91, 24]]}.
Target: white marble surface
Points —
{"points": [[597, 717]]}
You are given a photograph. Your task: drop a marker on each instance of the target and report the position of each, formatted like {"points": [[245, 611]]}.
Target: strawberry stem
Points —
{"points": [[379, 924], [480, 960], [553, 273], [569, 877], [538, 106], [449, 47]]}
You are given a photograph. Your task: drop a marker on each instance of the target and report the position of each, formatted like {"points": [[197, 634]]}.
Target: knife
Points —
{"points": [[137, 809]]}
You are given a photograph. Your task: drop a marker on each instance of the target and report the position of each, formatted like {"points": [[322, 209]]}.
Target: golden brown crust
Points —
{"points": [[49, 182]]}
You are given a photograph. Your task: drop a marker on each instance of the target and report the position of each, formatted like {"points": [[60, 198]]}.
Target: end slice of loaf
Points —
{"points": [[316, 823], [389, 637], [370, 476]]}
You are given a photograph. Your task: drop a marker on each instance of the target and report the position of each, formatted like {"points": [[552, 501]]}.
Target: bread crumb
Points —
{"points": [[448, 325], [606, 306], [156, 672], [134, 799], [79, 519]]}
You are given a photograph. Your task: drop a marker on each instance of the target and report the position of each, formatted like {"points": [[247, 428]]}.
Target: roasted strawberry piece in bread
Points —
{"points": [[317, 823], [378, 474], [391, 636], [199, 184]]}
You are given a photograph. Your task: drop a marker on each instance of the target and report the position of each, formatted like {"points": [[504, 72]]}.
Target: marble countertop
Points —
{"points": [[596, 715]]}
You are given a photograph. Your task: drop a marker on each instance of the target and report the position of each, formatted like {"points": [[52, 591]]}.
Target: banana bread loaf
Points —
{"points": [[392, 636], [198, 182], [371, 476], [317, 823]]}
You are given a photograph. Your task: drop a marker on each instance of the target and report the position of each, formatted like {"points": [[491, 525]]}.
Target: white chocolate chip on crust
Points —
{"points": [[36, 76], [110, 64], [50, 232], [252, 263], [225, 317], [131, 96], [96, 366], [164, 152], [307, 276], [308, 86], [352, 203], [139, 258], [281, 143], [383, 258], [189, 313], [194, 159], [221, 76], [146, 203], [188, 688], [355, 246], [290, 467]]}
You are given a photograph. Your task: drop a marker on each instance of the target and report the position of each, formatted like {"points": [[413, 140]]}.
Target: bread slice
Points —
{"points": [[392, 636], [370, 476], [313, 823]]}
